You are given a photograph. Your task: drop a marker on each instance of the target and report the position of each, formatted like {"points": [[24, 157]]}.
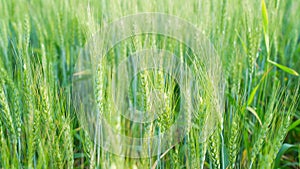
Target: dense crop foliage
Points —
{"points": [[257, 41]]}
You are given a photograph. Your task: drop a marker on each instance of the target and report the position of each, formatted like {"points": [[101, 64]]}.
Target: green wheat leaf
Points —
{"points": [[255, 114], [285, 147], [284, 68], [265, 24], [265, 16], [294, 125]]}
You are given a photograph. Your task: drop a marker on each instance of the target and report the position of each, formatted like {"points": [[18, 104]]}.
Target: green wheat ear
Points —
{"points": [[214, 148], [6, 115]]}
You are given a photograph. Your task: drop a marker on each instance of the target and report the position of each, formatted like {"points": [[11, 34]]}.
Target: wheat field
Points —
{"points": [[254, 95]]}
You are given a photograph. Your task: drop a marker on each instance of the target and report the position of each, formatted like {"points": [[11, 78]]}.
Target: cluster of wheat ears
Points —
{"points": [[257, 42]]}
